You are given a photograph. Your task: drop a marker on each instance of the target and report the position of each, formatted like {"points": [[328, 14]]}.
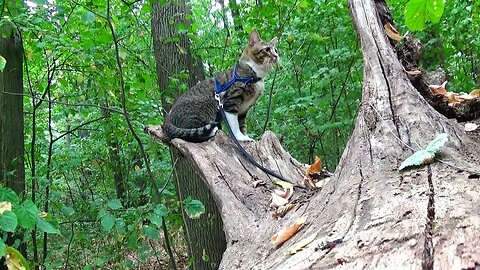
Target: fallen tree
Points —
{"points": [[369, 215]]}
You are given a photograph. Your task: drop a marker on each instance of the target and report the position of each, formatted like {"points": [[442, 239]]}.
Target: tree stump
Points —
{"points": [[235, 193], [380, 218]]}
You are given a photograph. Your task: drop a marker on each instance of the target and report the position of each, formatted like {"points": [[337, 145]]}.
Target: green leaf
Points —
{"points": [[2, 248], [114, 204], [438, 142], [107, 222], [421, 157], [426, 156], [9, 195], [8, 221], [46, 226], [3, 63], [150, 232], [161, 210], [40, 2], [15, 260], [67, 211], [193, 208], [132, 242], [27, 215], [157, 220], [88, 17], [418, 12], [435, 10]]}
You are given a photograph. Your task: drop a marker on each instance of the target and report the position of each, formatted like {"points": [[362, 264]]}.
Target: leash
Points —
{"points": [[221, 88]]}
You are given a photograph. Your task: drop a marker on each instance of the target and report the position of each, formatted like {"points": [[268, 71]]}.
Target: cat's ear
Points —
{"points": [[254, 37], [274, 41]]}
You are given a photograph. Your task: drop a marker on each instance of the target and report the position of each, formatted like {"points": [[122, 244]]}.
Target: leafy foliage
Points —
{"points": [[419, 12], [83, 166]]}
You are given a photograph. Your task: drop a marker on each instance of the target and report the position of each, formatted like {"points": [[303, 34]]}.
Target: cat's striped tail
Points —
{"points": [[196, 135]]}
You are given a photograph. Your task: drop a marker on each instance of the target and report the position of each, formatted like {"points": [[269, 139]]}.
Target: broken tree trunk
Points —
{"points": [[380, 217]]}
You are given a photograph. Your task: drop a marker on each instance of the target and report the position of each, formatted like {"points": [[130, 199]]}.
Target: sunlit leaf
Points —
{"points": [[14, 260], [419, 12], [88, 17], [5, 206], [193, 208], [7, 194], [300, 245], [3, 63]]}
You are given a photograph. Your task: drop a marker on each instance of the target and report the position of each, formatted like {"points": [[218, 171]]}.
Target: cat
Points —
{"points": [[193, 116]]}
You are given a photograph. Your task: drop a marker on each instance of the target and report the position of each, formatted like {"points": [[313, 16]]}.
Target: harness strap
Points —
{"points": [[246, 80]]}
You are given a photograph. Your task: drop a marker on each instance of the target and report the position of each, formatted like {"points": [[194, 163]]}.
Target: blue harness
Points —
{"points": [[222, 88]]}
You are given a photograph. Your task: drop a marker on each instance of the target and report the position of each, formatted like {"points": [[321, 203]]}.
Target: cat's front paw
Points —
{"points": [[243, 138]]}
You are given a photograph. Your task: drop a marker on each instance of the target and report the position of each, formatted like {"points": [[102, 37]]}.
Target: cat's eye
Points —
{"points": [[267, 49]]}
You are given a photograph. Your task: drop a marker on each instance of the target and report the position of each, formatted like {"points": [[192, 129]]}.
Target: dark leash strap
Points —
{"points": [[221, 88], [245, 153]]}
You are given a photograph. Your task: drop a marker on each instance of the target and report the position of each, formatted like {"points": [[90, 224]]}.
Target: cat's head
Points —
{"points": [[260, 55]]}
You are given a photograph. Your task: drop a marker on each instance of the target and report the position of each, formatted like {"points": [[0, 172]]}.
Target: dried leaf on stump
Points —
{"points": [[277, 201], [287, 232], [392, 32], [439, 89], [300, 245], [316, 167], [469, 127]]}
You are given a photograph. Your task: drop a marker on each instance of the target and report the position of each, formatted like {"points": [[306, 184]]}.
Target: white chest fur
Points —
{"points": [[252, 98]]}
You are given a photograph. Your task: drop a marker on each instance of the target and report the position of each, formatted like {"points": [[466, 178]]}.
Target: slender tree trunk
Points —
{"points": [[173, 54], [12, 169], [115, 159], [172, 49]]}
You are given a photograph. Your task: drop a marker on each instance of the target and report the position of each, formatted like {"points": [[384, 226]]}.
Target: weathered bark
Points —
{"points": [[424, 218], [173, 55], [12, 169], [172, 49]]}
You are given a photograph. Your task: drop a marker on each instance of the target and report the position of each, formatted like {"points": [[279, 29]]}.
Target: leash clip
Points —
{"points": [[217, 98]]}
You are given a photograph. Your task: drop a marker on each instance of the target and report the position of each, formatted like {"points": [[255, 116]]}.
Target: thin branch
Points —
{"points": [[134, 134], [78, 127]]}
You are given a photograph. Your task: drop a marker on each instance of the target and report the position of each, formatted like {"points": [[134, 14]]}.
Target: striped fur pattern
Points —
{"points": [[193, 116]]}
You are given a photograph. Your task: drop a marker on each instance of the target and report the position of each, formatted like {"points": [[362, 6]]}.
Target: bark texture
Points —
{"points": [[379, 218], [12, 169], [172, 47]]}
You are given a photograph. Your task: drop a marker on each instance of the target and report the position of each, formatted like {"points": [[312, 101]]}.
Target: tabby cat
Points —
{"points": [[193, 117]]}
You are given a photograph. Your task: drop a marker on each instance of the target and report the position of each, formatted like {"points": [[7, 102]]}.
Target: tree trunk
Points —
{"points": [[173, 55], [12, 169], [369, 215], [115, 160], [172, 48]]}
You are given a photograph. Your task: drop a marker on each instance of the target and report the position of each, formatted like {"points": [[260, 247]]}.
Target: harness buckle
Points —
{"points": [[217, 98]]}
